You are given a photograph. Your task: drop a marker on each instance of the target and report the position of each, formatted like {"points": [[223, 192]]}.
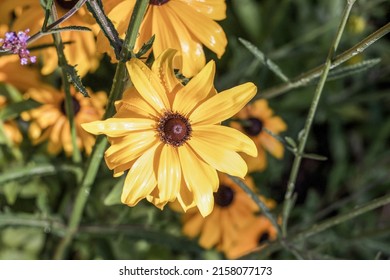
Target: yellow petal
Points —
{"points": [[195, 91], [202, 27], [185, 197], [191, 50], [169, 174], [215, 9], [116, 127], [141, 179], [212, 232], [129, 148], [218, 157], [223, 105], [193, 226], [148, 85], [275, 124], [200, 178], [163, 67], [227, 137], [273, 146], [132, 105]]}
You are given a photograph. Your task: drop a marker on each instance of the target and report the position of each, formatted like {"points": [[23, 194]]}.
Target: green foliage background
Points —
{"points": [[351, 129]]}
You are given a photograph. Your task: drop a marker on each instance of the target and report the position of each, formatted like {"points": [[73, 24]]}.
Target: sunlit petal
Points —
{"points": [[116, 127], [204, 181], [195, 91], [169, 174], [223, 105], [226, 137], [141, 179]]}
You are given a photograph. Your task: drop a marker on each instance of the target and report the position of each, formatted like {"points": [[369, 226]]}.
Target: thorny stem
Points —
{"points": [[308, 76], [288, 199], [76, 155], [119, 83]]}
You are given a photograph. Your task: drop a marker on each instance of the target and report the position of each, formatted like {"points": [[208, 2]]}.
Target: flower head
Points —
{"points": [[252, 119], [234, 211], [17, 44], [169, 135], [49, 121], [178, 24]]}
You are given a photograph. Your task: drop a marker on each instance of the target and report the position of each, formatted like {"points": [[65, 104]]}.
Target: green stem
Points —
{"points": [[322, 226], [308, 76], [265, 210], [288, 199], [62, 62], [119, 83]]}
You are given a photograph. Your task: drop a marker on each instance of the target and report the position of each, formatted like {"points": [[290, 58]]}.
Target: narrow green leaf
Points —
{"points": [[146, 47], [68, 28], [264, 60], [342, 72], [291, 142], [75, 79], [314, 156]]}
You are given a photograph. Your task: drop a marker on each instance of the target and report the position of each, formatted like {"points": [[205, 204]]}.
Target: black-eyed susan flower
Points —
{"points": [[253, 236], [80, 47], [10, 127], [178, 24], [50, 123], [169, 135], [252, 119], [234, 211]]}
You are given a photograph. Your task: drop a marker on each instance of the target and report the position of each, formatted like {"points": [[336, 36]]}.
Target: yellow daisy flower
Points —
{"points": [[253, 236], [234, 210], [11, 128], [178, 24], [81, 49], [170, 137], [49, 121], [253, 118]]}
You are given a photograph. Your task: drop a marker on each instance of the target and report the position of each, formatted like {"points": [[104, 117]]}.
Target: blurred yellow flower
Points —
{"points": [[49, 121], [234, 211], [170, 137], [80, 47], [184, 25], [11, 128], [252, 119], [255, 235]]}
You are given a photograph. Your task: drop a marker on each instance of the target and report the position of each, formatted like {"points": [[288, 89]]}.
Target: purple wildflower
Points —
{"points": [[17, 44]]}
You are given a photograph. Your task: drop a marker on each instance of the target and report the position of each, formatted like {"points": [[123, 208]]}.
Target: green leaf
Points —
{"points": [[68, 28], [15, 109], [291, 142], [146, 47], [114, 197], [264, 60], [342, 72], [75, 79]]}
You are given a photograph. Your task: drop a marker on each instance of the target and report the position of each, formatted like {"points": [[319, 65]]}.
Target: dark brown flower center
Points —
{"points": [[174, 129], [224, 196], [75, 104], [158, 2], [66, 4], [253, 126], [263, 238]]}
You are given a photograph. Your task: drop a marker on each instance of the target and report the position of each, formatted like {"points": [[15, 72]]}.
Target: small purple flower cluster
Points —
{"points": [[17, 44]]}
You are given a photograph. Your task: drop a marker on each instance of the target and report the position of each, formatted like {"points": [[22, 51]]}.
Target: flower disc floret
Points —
{"points": [[174, 129]]}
